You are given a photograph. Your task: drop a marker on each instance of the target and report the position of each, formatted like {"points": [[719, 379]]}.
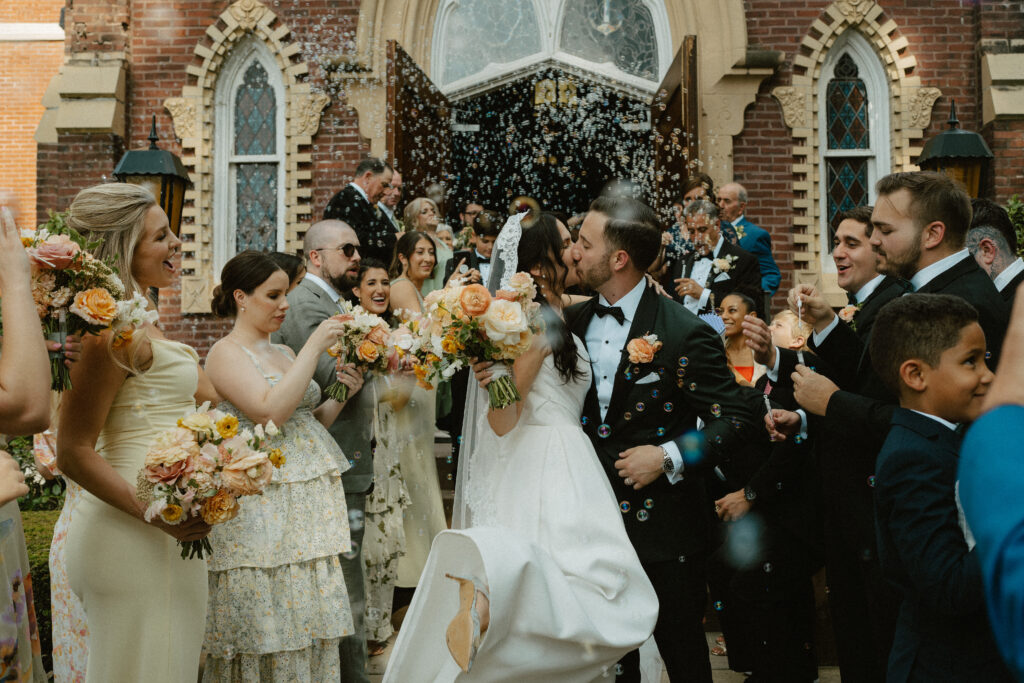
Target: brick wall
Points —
{"points": [[25, 71], [941, 35]]}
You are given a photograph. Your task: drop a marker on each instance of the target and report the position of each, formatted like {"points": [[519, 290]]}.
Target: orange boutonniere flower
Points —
{"points": [[642, 349]]}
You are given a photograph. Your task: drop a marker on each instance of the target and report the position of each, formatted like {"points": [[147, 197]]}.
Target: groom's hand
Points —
{"points": [[640, 465]]}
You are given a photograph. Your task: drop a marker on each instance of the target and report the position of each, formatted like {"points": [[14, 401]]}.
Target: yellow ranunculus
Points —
{"points": [[277, 458], [227, 426], [172, 514]]}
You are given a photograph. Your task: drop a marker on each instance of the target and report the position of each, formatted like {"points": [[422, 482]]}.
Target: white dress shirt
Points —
{"points": [[700, 273], [1008, 274], [605, 340], [929, 273], [485, 268], [324, 285]]}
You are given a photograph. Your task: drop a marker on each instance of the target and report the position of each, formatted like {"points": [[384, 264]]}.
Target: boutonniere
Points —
{"points": [[723, 264], [847, 314], [642, 349], [740, 232]]}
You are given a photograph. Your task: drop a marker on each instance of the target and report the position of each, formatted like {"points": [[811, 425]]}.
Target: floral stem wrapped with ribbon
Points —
{"points": [[465, 322], [365, 343], [201, 467]]}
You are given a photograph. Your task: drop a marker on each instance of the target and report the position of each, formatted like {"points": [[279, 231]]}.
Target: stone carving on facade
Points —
{"points": [[305, 113], [921, 106], [183, 113], [854, 10], [794, 105], [247, 13]]}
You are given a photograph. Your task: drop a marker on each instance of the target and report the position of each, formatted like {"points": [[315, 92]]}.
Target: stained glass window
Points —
{"points": [[847, 102], [617, 31], [482, 32], [256, 207], [254, 169], [847, 186], [255, 113]]}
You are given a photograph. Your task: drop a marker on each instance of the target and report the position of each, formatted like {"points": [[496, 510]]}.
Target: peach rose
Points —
{"points": [[95, 306], [642, 350], [168, 474], [56, 253], [505, 323], [522, 284], [379, 335], [846, 313], [344, 317], [247, 474], [474, 299], [506, 295], [219, 508], [172, 446], [367, 351]]}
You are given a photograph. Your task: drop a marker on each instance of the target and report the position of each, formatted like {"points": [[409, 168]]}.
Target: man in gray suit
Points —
{"points": [[332, 269]]}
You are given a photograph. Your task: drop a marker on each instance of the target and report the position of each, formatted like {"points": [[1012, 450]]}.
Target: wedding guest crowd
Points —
{"points": [[753, 448]]}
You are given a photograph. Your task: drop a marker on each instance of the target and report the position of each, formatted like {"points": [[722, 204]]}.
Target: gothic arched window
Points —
{"points": [[853, 129], [249, 152], [619, 32]]}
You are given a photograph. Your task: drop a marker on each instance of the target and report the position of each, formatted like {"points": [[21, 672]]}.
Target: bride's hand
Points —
{"points": [[192, 529], [481, 369]]}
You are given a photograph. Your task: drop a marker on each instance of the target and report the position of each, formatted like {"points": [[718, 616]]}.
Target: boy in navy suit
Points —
{"points": [[930, 350]]}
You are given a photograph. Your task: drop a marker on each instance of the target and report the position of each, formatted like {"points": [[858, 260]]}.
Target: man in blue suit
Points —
{"points": [[732, 203]]}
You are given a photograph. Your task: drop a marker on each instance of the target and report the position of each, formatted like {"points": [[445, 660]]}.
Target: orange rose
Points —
{"points": [[642, 351], [474, 299], [343, 317], [219, 508], [95, 306], [367, 351], [248, 474], [379, 335]]}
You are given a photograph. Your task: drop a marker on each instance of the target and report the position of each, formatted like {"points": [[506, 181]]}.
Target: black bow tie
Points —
{"points": [[482, 260], [600, 310]]}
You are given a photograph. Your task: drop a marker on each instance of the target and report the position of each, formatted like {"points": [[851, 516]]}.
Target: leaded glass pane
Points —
{"points": [[616, 31], [482, 32], [847, 188], [256, 207], [255, 113], [847, 108]]}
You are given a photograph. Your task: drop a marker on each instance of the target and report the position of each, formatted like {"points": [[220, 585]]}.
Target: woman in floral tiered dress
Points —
{"points": [[278, 601]]}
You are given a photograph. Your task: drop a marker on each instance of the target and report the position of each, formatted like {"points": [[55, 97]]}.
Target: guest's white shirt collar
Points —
{"points": [[324, 285], [387, 211], [867, 290], [628, 303], [481, 256], [946, 423], [1008, 274], [929, 273], [738, 220], [361, 192]]}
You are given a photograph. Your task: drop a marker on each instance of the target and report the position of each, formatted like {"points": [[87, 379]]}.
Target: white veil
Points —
{"points": [[503, 266]]}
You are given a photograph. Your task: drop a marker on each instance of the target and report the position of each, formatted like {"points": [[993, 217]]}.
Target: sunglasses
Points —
{"points": [[348, 249]]}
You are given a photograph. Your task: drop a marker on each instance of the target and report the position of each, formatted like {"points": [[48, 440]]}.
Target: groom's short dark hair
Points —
{"points": [[632, 226]]}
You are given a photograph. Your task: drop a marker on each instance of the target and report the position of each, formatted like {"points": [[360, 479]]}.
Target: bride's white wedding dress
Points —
{"points": [[568, 596]]}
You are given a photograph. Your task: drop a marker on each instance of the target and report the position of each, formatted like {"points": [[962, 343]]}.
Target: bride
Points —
{"points": [[544, 584]]}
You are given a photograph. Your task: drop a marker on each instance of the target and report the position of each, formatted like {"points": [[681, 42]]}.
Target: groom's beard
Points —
{"points": [[596, 276]]}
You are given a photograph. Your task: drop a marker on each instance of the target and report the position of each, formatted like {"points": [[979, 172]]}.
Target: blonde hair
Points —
{"points": [[797, 327], [114, 213], [412, 212]]}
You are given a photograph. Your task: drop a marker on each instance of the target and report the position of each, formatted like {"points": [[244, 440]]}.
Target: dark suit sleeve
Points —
{"points": [[715, 397], [855, 415], [916, 507], [304, 316], [842, 350]]}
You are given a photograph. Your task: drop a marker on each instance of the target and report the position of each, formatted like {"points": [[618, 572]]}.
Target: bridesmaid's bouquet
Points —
{"points": [[74, 292], [201, 467], [463, 322], [364, 342]]}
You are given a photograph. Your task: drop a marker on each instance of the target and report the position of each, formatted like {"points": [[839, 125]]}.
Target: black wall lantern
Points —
{"points": [[162, 172], [958, 153]]}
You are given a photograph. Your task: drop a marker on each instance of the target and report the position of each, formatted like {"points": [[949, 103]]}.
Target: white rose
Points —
{"points": [[504, 322], [200, 423], [722, 265], [271, 429]]}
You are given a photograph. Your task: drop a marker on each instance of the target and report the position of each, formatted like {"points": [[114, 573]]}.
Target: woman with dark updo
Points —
{"points": [[278, 601]]}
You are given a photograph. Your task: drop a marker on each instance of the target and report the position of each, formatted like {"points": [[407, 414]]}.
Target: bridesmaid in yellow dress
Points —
{"points": [[145, 607]]}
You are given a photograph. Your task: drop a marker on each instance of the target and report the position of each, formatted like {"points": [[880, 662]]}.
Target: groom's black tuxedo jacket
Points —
{"points": [[690, 379]]}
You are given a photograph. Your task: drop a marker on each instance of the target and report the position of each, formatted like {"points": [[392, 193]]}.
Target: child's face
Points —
{"points": [[957, 386]]}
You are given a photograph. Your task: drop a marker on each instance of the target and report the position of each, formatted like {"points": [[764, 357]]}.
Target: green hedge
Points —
{"points": [[38, 534]]}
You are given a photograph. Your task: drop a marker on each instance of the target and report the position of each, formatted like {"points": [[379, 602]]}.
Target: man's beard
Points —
{"points": [[343, 281], [596, 276], [903, 265]]}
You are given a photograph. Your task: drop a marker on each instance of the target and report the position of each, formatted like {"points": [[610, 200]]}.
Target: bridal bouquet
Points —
{"points": [[201, 467], [74, 292], [465, 322], [365, 342]]}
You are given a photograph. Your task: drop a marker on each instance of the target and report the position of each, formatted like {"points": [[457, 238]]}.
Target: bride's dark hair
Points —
{"points": [[540, 247]]}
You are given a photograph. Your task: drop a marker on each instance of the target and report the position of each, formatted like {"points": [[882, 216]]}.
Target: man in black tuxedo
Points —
{"points": [[356, 204], [640, 414], [863, 606], [992, 242], [714, 268]]}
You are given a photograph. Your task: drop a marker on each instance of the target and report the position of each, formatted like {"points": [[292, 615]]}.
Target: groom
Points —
{"points": [[640, 415]]}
